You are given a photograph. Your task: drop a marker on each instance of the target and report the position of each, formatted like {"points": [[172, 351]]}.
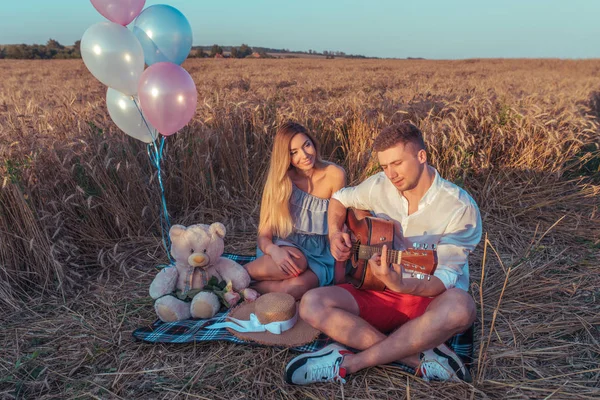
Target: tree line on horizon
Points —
{"points": [[51, 50], [55, 50], [264, 52], [234, 52]]}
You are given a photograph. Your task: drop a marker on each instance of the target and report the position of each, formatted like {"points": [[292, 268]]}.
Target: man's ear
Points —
{"points": [[422, 156]]}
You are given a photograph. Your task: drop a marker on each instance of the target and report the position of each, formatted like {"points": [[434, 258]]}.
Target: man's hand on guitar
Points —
{"points": [[392, 277], [340, 246]]}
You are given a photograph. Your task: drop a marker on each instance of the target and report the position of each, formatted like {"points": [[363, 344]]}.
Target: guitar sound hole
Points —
{"points": [[354, 254]]}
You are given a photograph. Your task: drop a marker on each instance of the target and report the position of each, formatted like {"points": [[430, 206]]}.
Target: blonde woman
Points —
{"points": [[293, 249]]}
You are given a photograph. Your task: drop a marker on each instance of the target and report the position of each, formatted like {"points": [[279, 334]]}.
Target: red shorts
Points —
{"points": [[387, 310]]}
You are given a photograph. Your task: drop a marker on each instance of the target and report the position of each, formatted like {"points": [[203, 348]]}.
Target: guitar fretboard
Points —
{"points": [[365, 252]]}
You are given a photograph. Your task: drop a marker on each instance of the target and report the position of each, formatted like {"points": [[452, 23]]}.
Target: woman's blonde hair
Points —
{"points": [[275, 210]]}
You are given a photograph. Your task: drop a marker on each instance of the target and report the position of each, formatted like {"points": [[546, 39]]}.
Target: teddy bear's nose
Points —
{"points": [[198, 259]]}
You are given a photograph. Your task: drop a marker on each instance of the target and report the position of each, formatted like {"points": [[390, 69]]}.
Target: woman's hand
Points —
{"points": [[284, 259]]}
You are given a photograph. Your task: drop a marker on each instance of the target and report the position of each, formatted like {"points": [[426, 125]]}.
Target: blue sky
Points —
{"points": [[437, 29]]}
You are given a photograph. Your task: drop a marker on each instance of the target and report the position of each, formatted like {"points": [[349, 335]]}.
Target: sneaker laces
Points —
{"points": [[325, 373], [434, 370]]}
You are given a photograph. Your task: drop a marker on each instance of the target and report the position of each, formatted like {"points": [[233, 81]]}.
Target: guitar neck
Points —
{"points": [[366, 252]]}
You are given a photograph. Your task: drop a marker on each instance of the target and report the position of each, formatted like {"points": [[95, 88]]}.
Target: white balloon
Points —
{"points": [[113, 55], [127, 116]]}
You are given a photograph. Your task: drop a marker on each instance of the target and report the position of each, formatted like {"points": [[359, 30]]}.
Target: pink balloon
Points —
{"points": [[168, 97], [119, 11]]}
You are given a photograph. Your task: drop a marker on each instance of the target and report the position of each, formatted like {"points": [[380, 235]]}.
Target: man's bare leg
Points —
{"points": [[450, 313], [335, 312]]}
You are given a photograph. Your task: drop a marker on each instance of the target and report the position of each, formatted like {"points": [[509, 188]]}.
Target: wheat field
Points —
{"points": [[80, 219]]}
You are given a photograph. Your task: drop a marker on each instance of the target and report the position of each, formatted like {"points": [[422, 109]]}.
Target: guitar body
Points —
{"points": [[368, 234], [370, 231]]}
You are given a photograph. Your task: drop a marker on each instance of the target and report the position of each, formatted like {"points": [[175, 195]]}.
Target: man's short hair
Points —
{"points": [[402, 133]]}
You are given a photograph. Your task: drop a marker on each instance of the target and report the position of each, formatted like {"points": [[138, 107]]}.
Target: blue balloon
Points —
{"points": [[165, 34]]}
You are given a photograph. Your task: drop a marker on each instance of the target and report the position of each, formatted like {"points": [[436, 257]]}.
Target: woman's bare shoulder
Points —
{"points": [[336, 175], [334, 170]]}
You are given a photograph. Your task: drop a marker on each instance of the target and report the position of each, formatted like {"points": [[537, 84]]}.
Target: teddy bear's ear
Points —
{"points": [[176, 230], [218, 229]]}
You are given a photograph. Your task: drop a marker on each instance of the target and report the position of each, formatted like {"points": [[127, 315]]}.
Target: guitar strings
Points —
{"points": [[391, 253]]}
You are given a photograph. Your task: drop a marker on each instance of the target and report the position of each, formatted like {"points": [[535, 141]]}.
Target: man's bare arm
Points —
{"points": [[336, 215]]}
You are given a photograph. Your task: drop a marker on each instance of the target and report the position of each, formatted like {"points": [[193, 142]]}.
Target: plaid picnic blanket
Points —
{"points": [[190, 331]]}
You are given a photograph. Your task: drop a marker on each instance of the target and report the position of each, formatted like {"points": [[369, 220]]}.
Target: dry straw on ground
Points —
{"points": [[79, 210]]}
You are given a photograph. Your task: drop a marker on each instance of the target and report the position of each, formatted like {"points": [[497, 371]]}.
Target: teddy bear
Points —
{"points": [[197, 251]]}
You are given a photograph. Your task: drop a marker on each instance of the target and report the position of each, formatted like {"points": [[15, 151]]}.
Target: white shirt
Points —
{"points": [[447, 217]]}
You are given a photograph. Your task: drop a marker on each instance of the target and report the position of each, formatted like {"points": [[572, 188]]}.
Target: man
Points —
{"points": [[412, 318]]}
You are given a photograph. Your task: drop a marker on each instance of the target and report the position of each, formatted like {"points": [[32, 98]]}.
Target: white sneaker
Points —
{"points": [[319, 366], [442, 364]]}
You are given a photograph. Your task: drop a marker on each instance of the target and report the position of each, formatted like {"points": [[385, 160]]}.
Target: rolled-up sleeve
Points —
{"points": [[357, 196], [461, 237]]}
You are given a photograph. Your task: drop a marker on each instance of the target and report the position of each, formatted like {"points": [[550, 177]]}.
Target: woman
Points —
{"points": [[293, 250]]}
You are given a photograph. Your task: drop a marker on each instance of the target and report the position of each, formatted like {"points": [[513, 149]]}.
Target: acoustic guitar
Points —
{"points": [[368, 234]]}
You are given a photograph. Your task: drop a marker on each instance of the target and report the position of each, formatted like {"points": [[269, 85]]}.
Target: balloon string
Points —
{"points": [[155, 153], [153, 133]]}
